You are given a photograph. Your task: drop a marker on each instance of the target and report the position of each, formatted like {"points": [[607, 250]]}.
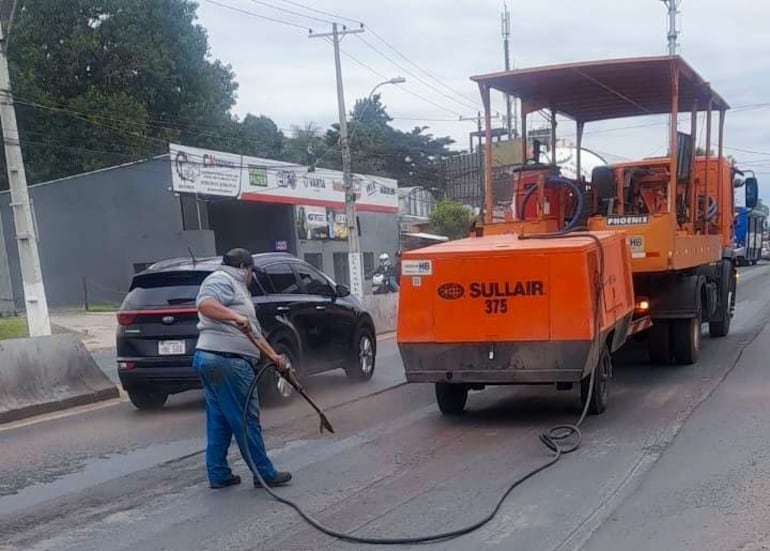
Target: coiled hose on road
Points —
{"points": [[553, 439]]}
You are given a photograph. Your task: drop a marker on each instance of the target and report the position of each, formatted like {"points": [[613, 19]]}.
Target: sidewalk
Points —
{"points": [[95, 329], [711, 489]]}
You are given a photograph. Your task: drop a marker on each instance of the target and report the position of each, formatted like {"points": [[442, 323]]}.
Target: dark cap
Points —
{"points": [[237, 258]]}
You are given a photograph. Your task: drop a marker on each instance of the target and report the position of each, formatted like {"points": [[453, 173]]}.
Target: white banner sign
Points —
{"points": [[208, 172], [205, 172]]}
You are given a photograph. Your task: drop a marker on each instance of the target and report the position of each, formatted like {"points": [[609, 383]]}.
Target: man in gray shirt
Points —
{"points": [[223, 359]]}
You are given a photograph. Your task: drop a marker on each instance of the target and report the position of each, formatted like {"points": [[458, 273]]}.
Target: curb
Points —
{"points": [[58, 405]]}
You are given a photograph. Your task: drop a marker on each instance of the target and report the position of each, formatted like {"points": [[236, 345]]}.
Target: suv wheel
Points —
{"points": [[147, 399], [361, 364], [276, 390]]}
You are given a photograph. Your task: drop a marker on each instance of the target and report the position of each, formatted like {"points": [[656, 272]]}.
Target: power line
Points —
{"points": [[81, 115], [246, 12], [407, 90], [298, 14], [321, 12], [476, 102], [465, 104], [257, 15]]}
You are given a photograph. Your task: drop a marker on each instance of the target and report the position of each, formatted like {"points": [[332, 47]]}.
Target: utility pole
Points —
{"points": [[479, 129], [477, 118], [506, 29], [673, 34], [31, 274], [355, 263]]}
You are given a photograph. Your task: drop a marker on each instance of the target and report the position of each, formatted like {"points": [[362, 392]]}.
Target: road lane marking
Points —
{"points": [[62, 414]]}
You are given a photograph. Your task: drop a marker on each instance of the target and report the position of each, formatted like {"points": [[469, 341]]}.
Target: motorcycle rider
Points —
{"points": [[388, 273]]}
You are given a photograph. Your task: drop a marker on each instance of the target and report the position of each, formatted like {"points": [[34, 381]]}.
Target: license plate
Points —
{"points": [[171, 348]]}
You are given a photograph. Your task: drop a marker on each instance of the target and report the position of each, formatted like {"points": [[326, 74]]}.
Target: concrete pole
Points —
{"points": [[506, 28], [673, 34], [26, 239], [355, 264], [355, 261]]}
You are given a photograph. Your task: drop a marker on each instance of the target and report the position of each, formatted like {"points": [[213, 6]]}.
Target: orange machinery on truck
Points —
{"points": [[560, 272]]}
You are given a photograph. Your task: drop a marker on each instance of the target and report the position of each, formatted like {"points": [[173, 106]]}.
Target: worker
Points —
{"points": [[225, 360]]}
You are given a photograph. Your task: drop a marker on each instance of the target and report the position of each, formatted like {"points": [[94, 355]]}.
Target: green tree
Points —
{"points": [[256, 136], [98, 82], [307, 146], [451, 219], [413, 158]]}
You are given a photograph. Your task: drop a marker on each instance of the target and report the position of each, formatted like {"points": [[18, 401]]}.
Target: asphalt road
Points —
{"points": [[115, 479]]}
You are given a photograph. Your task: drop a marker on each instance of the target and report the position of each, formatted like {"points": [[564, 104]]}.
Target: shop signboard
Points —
{"points": [[207, 172]]}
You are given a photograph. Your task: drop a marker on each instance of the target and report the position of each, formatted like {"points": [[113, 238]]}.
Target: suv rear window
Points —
{"points": [[164, 289]]}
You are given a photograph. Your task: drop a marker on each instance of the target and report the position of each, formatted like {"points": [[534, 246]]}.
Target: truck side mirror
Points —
{"points": [[603, 181], [752, 192]]}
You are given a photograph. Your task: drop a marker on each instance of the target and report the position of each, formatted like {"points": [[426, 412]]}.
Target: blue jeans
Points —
{"points": [[225, 384]]}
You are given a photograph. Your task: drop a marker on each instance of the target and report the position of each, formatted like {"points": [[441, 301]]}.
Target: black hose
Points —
{"points": [[553, 182], [552, 439]]}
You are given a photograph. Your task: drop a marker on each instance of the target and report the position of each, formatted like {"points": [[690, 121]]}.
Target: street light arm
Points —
{"points": [[394, 80]]}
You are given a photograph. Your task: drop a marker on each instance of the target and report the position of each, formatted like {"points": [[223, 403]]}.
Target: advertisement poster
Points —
{"points": [[206, 172], [320, 223]]}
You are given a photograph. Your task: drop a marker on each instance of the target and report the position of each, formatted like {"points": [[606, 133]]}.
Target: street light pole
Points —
{"points": [[355, 263]]}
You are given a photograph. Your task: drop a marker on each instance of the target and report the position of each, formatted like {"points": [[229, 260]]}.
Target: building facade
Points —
{"points": [[96, 230]]}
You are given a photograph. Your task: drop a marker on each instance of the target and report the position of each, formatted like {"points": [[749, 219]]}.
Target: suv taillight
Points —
{"points": [[126, 318], [130, 317]]}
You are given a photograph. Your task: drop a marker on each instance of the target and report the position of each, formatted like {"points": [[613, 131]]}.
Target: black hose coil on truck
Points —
{"points": [[554, 182]]}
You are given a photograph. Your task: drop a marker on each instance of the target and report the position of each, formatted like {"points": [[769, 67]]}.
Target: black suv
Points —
{"points": [[314, 323]]}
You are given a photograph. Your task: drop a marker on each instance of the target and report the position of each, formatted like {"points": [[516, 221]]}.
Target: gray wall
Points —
{"points": [[98, 226], [379, 234]]}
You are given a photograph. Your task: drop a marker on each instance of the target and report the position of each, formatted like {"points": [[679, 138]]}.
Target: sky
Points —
{"points": [[437, 45]]}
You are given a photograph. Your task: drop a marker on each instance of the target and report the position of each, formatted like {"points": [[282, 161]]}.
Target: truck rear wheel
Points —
{"points": [[451, 397], [600, 395], [659, 342], [721, 327], [686, 337]]}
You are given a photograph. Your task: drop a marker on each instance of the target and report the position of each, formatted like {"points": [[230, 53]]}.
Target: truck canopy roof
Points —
{"points": [[611, 89]]}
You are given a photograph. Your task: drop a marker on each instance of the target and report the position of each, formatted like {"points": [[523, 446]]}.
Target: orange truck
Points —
{"points": [[560, 272]]}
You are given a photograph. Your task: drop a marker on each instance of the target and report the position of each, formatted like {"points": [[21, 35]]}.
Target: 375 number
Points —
{"points": [[496, 306]]}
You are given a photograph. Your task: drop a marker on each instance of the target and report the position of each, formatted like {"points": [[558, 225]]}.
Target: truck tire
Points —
{"points": [[659, 342], [686, 336], [600, 396], [721, 327], [451, 397]]}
